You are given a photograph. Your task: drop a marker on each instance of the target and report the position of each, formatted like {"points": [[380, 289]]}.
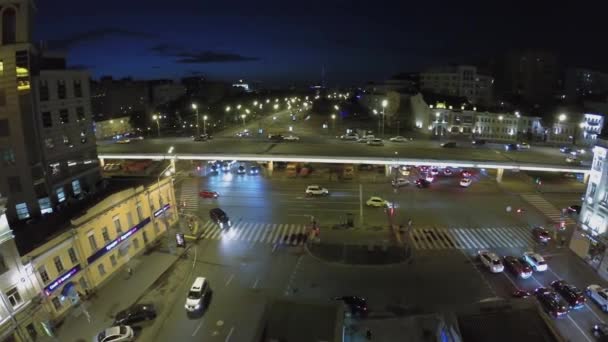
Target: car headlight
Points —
{"points": [[197, 306]]}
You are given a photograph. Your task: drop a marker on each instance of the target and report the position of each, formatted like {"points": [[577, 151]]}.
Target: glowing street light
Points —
{"points": [[562, 117], [500, 117], [156, 118], [228, 108], [198, 131], [238, 107], [333, 122], [243, 116], [384, 104], [204, 124], [276, 106]]}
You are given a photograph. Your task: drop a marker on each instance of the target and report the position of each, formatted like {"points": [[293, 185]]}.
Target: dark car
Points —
{"points": [[422, 183], [218, 216], [551, 302], [356, 305], [517, 268], [565, 149], [254, 170], [541, 235], [202, 137], [276, 138], [574, 209], [225, 167], [241, 170], [573, 296], [478, 142], [449, 144], [208, 194], [600, 331], [511, 147], [135, 314]]}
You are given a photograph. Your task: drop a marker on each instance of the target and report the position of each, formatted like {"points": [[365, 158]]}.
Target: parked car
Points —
{"points": [[573, 296], [291, 137], [422, 183], [599, 295], [565, 149], [399, 139], [523, 146], [478, 142], [449, 144], [350, 136], [376, 201], [315, 190], [541, 235], [491, 261], [551, 303], [276, 138], [572, 160], [399, 182], [218, 216], [135, 314], [536, 261], [517, 268], [511, 147], [466, 182], [447, 172], [118, 333], [254, 170], [375, 142], [600, 331], [208, 194], [241, 170], [197, 294]]}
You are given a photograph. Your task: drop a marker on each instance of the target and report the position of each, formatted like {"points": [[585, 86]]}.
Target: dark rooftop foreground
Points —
{"points": [[36, 231]]}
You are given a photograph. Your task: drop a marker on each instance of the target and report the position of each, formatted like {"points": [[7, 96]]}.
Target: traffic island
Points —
{"points": [[363, 255]]}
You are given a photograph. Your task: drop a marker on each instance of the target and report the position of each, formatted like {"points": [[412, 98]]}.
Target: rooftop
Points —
{"points": [[35, 232]]}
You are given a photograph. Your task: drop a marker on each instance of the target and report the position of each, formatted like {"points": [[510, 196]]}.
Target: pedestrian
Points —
{"points": [[368, 334], [129, 272], [409, 223]]}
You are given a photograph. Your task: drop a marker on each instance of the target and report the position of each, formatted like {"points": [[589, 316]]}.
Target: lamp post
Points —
{"points": [[384, 104], [243, 116], [205, 124], [198, 131], [333, 122], [156, 118], [168, 171]]}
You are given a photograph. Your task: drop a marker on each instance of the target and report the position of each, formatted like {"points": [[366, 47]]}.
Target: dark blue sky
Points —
{"points": [[278, 42]]}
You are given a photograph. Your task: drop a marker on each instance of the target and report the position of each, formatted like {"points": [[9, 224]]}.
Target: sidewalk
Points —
{"points": [[117, 294]]}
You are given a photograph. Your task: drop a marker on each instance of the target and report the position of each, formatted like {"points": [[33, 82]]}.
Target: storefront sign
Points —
{"points": [[61, 280], [110, 246], [162, 210]]}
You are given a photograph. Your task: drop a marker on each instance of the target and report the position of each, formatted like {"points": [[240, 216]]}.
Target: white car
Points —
{"points": [[536, 261], [523, 146], [434, 171], [315, 190], [572, 160], [375, 142], [599, 295], [399, 182], [376, 201], [466, 182], [447, 172], [405, 171], [349, 137], [291, 138], [116, 334], [398, 139], [491, 261]]}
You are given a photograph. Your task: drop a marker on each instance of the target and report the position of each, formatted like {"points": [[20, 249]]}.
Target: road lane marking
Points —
{"points": [[229, 334], [197, 328], [255, 284], [230, 279], [579, 328]]}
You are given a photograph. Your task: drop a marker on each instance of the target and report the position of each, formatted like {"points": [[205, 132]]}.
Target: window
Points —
{"points": [[47, 119], [61, 89], [45, 205], [60, 194], [136, 243], [77, 88], [22, 211], [9, 26], [14, 185], [49, 143], [80, 114], [92, 242], [105, 234], [102, 270], [3, 267], [44, 91], [4, 128], [56, 303], [58, 264], [22, 61], [117, 225], [13, 297], [66, 140], [113, 259], [7, 156], [1, 67], [130, 220], [64, 116], [72, 254], [140, 212], [76, 187], [145, 236], [2, 97], [31, 331]]}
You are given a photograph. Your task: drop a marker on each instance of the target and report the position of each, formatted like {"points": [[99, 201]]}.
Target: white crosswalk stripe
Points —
{"points": [[546, 208], [188, 195], [470, 238], [267, 233]]}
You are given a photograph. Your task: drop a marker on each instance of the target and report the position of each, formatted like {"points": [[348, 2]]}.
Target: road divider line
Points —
{"points": [[197, 328], [230, 279], [255, 284], [579, 328], [229, 334]]}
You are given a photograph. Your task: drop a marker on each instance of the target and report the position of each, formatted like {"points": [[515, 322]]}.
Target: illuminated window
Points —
{"points": [[22, 61], [60, 194], [45, 205], [1, 67], [22, 211], [76, 187]]}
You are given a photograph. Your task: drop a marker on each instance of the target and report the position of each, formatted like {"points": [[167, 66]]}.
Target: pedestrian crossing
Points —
{"points": [[470, 238], [188, 195], [269, 233], [538, 202]]}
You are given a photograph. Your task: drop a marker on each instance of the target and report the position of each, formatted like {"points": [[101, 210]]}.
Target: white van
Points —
{"points": [[197, 294]]}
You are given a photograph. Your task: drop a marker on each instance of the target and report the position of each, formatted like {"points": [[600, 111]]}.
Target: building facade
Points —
{"points": [[164, 93], [462, 80], [581, 82], [112, 128], [100, 243]]}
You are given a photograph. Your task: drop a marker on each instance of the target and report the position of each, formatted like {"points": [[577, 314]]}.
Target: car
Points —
{"points": [[291, 137], [574, 209], [254, 170], [225, 167], [600, 331], [429, 178], [491, 261], [551, 303], [362, 140], [369, 136], [276, 137], [422, 183], [599, 295], [478, 142], [517, 268], [511, 147], [135, 314], [243, 133], [399, 139], [375, 142], [376, 201], [315, 190], [434, 171], [565, 149], [357, 305], [241, 170], [572, 160], [465, 174], [218, 216], [399, 182], [521, 293], [117, 333], [536, 261], [202, 137], [196, 296], [350, 136], [573, 296], [447, 172], [123, 141], [541, 235], [466, 182], [449, 144], [523, 146], [208, 194]]}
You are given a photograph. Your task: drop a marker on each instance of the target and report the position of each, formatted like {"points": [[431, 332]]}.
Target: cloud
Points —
{"points": [[97, 34], [199, 57]]}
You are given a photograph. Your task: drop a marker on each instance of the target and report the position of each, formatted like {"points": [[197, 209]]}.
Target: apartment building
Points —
{"points": [[461, 80]]}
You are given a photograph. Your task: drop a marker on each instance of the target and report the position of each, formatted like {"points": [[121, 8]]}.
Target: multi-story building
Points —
{"points": [[116, 98], [112, 128], [462, 80], [21, 316], [164, 93], [581, 82], [94, 245]]}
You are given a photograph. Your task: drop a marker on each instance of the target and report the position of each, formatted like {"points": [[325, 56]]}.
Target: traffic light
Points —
{"points": [[198, 168]]}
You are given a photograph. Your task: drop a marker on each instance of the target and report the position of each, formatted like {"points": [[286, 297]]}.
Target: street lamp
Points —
{"points": [[333, 122], [243, 116], [276, 106], [205, 124], [562, 117], [156, 118], [384, 104], [238, 107], [198, 131], [228, 108], [336, 107]]}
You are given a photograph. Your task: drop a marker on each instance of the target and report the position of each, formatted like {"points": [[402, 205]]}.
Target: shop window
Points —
{"points": [[76, 187], [22, 211], [45, 205], [60, 194]]}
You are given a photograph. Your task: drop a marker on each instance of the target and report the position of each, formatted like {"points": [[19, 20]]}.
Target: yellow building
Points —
{"points": [[101, 241]]}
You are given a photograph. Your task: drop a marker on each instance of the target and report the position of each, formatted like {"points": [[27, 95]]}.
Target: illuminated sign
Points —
{"points": [[110, 246], [62, 279], [162, 210]]}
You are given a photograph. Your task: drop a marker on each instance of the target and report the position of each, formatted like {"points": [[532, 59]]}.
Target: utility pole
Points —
{"points": [[361, 203]]}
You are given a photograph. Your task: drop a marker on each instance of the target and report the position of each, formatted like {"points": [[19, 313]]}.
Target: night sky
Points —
{"points": [[283, 42]]}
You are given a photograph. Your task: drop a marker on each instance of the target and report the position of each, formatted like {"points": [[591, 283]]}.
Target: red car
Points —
{"points": [[208, 194]]}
